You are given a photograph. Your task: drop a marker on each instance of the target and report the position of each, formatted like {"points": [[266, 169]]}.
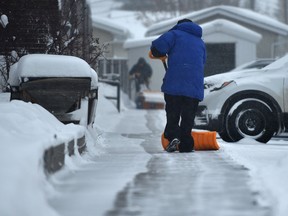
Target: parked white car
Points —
{"points": [[250, 104], [257, 63]]}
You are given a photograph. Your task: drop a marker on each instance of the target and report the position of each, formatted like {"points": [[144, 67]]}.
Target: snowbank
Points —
{"points": [[27, 130]]}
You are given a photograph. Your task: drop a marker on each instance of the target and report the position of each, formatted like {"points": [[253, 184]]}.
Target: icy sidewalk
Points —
{"points": [[134, 176], [200, 183], [91, 189]]}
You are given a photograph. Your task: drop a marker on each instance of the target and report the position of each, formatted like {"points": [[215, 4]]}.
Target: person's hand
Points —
{"points": [[161, 57]]}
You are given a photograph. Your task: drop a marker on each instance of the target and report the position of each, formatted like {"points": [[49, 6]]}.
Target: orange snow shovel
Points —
{"points": [[203, 140]]}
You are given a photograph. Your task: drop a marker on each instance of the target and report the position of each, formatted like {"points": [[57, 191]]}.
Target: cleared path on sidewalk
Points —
{"points": [[157, 183], [200, 183]]}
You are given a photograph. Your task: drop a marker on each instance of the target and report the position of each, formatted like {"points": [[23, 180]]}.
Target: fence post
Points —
{"points": [[117, 98]]}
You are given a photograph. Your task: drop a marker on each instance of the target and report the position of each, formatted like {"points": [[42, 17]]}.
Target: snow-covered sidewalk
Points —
{"points": [[268, 165], [27, 129]]}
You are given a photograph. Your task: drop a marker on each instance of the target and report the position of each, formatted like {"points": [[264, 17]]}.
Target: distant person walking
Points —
{"points": [[142, 73], [183, 83]]}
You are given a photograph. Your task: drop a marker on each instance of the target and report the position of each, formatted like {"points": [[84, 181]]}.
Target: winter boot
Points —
{"points": [[173, 145]]}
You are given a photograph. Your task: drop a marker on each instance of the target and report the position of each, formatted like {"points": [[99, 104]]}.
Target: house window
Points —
{"points": [[112, 69]]}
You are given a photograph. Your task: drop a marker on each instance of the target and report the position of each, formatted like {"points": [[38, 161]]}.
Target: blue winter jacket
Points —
{"points": [[186, 58]]}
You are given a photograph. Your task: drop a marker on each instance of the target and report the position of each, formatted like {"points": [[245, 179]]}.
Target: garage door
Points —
{"points": [[220, 58]]}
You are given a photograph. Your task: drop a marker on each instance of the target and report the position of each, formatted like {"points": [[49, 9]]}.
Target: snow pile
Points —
{"points": [[26, 122], [44, 65], [27, 130]]}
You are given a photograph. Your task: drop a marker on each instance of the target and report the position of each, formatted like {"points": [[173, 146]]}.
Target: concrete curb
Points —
{"points": [[54, 157]]}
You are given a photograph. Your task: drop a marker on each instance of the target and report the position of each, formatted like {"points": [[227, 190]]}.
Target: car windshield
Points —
{"points": [[281, 62], [258, 64]]}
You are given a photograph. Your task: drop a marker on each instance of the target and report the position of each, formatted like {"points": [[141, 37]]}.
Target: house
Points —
{"points": [[232, 35], [112, 35], [111, 38], [273, 32]]}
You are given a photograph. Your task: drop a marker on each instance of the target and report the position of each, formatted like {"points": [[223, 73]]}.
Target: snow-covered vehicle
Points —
{"points": [[250, 104], [64, 85], [257, 63]]}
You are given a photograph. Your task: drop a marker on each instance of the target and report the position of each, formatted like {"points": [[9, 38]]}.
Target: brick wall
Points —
{"points": [[33, 24], [29, 24]]}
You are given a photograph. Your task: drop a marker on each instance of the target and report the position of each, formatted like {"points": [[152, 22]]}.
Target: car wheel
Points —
{"points": [[224, 136], [252, 119]]}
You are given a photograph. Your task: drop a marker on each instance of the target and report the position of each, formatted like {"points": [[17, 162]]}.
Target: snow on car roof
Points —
{"points": [[45, 65]]}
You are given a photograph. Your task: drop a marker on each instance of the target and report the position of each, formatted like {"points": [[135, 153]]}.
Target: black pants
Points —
{"points": [[180, 114]]}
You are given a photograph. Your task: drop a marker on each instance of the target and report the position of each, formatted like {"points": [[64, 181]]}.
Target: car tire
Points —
{"points": [[251, 119], [224, 136]]}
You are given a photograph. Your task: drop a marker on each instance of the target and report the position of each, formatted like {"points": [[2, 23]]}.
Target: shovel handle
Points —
{"points": [[165, 65]]}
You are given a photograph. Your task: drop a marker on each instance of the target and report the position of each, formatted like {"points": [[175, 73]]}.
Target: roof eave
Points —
{"points": [[222, 10]]}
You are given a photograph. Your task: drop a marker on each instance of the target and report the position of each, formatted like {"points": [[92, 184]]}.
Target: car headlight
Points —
{"points": [[222, 86]]}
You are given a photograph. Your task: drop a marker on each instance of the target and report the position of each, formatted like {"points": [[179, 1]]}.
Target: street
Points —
{"points": [[134, 176]]}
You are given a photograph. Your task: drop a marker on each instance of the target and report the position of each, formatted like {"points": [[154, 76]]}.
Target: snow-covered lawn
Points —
{"points": [[27, 129]]}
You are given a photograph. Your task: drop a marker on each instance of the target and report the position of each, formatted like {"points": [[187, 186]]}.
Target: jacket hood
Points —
{"points": [[189, 27]]}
